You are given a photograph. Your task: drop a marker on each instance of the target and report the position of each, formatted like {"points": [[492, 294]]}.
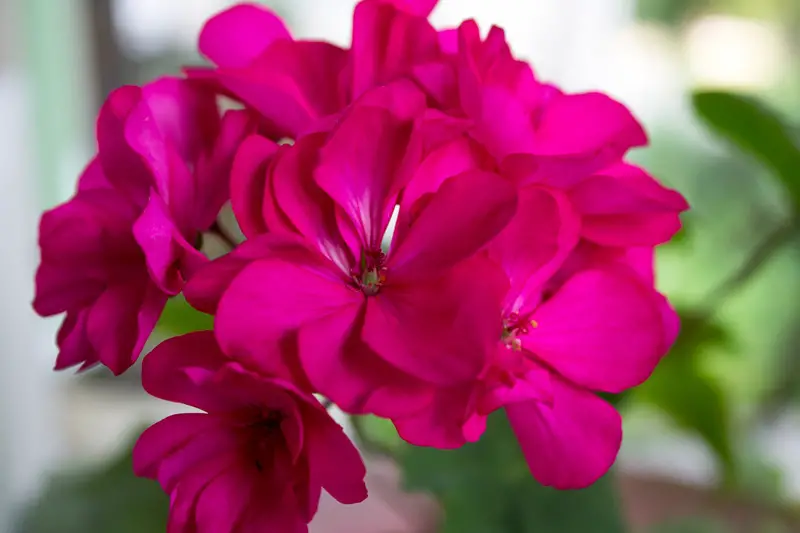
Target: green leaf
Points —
{"points": [[756, 130], [691, 398], [486, 487], [179, 318], [377, 434]]}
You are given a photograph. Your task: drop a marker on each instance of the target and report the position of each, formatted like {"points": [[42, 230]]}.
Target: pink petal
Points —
{"points": [[441, 424], [184, 495], [213, 170], [74, 346], [535, 243], [421, 8], [333, 460], [602, 330], [121, 165], [273, 511], [224, 500], [402, 98], [388, 41], [206, 287], [121, 321], [311, 212], [342, 368], [466, 212], [292, 84], [359, 168], [271, 298], [441, 330], [624, 206], [177, 371], [167, 436], [249, 183], [238, 35], [570, 444], [587, 123], [170, 258]]}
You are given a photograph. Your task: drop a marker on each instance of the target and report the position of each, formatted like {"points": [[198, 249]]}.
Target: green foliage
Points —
{"points": [[756, 130], [180, 318], [690, 525], [486, 487], [108, 499], [691, 398]]}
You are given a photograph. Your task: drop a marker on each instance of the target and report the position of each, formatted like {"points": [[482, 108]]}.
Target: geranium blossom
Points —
{"points": [[258, 457], [113, 254]]}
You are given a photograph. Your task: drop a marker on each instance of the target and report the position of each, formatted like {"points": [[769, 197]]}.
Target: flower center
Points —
{"points": [[513, 326], [371, 272], [265, 428]]}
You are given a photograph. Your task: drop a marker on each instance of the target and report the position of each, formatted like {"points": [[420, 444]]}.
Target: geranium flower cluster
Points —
{"points": [[431, 234]]}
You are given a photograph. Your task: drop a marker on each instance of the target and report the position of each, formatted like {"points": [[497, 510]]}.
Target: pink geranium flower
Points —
{"points": [[113, 254], [375, 327], [256, 459], [601, 330]]}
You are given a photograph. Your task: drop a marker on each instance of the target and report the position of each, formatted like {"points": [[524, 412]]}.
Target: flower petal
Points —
{"points": [[293, 84], [249, 183], [587, 123], [624, 206], [333, 460], [388, 41], [535, 244], [238, 35], [441, 330], [602, 330], [460, 218], [570, 444], [359, 167], [271, 298], [345, 370]]}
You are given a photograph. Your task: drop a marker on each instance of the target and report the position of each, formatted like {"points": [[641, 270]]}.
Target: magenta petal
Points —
{"points": [[271, 298], [213, 170], [350, 374], [121, 321], [602, 330], [237, 36], [441, 424], [421, 8], [359, 169], [249, 183], [205, 288], [223, 501], [293, 84], [536, 242], [121, 165], [466, 212], [168, 254], [174, 370], [333, 460], [587, 123], [167, 436], [387, 41], [624, 206], [442, 330], [571, 444]]}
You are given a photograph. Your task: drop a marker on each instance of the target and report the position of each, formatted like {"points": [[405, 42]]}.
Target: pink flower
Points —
{"points": [[374, 329], [113, 254], [602, 330], [256, 459], [294, 84]]}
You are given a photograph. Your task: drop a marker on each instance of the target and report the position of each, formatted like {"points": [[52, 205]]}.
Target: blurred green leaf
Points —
{"points": [[691, 525], [179, 318], [691, 398], [107, 499], [377, 434], [756, 130], [486, 487]]}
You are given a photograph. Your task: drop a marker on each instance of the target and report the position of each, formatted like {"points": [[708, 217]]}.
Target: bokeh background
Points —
{"points": [[712, 442]]}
